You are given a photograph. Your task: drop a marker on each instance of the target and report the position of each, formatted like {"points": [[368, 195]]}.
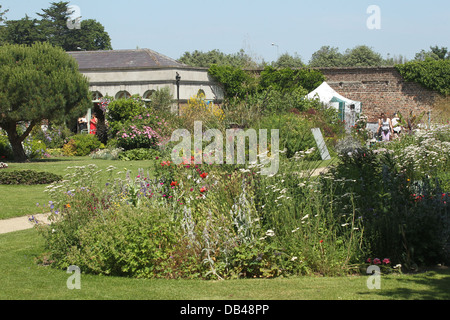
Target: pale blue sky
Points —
{"points": [[301, 27]]}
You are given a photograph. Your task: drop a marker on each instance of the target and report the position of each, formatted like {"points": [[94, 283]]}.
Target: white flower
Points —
{"points": [[270, 233]]}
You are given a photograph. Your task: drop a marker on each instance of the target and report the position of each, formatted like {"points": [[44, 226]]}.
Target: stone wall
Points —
{"points": [[380, 89]]}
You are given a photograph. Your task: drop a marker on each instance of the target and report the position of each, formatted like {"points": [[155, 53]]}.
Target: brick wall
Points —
{"points": [[380, 89]]}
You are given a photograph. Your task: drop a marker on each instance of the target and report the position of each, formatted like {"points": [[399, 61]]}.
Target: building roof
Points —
{"points": [[123, 59]]}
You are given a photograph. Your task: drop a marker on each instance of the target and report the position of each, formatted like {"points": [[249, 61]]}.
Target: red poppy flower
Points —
{"points": [[203, 190], [174, 184], [203, 175]]}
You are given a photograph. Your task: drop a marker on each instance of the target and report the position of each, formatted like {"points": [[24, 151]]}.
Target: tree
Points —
{"points": [[24, 31], [362, 56], [436, 53], [326, 56], [2, 13], [52, 27], [91, 35], [288, 61], [38, 82], [216, 57]]}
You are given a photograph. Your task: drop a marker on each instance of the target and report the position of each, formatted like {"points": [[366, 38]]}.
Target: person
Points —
{"points": [[93, 126], [82, 124], [396, 125], [385, 126]]}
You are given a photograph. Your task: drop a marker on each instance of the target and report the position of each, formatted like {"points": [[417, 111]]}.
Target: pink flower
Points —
{"points": [[386, 261], [376, 261]]}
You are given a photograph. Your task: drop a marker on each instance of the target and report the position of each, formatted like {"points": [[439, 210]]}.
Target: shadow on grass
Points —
{"points": [[59, 159], [429, 285]]}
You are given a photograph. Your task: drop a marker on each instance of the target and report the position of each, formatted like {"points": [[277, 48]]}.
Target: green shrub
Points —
{"points": [[288, 79], [294, 132], [28, 177], [127, 242], [403, 219], [54, 137], [432, 74], [122, 110], [139, 154], [81, 145]]}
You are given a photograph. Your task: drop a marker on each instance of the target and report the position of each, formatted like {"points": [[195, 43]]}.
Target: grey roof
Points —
{"points": [[123, 59]]}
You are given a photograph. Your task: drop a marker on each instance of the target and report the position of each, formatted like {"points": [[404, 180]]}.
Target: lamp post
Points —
{"points": [[278, 49], [178, 78]]}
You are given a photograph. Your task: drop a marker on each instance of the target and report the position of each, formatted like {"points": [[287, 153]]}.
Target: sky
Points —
{"points": [[265, 29]]}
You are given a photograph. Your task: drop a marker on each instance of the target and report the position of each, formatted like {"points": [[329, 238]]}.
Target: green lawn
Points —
{"points": [[22, 279], [16, 201]]}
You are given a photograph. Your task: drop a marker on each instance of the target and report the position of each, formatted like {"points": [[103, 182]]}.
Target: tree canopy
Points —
{"points": [[435, 53], [216, 57], [326, 56], [52, 27], [38, 82]]}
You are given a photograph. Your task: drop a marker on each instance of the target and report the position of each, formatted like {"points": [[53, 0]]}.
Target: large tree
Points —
{"points": [[362, 56], [52, 26], [91, 35], [216, 57], [23, 31], [38, 82], [326, 56], [288, 61]]}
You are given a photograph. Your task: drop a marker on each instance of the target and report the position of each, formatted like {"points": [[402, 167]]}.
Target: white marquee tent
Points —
{"points": [[348, 109]]}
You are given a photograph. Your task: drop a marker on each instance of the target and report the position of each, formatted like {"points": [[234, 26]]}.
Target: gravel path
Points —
{"points": [[20, 223]]}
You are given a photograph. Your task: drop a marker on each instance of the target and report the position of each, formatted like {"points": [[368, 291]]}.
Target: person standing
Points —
{"points": [[385, 126], [397, 128], [93, 125]]}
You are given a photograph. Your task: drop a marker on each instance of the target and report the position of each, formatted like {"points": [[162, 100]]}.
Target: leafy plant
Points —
{"points": [[288, 79], [81, 145], [28, 177], [432, 74]]}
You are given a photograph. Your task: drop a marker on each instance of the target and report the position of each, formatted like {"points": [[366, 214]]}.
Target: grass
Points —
{"points": [[21, 200], [23, 279]]}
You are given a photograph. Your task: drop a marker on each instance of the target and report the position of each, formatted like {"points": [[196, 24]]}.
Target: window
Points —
{"points": [[96, 96], [123, 95], [147, 97]]}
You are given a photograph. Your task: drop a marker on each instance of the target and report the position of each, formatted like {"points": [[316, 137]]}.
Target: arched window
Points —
{"points": [[147, 97], [96, 96], [123, 95]]}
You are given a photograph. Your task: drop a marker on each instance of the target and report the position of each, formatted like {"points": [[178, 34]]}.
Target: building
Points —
{"points": [[123, 73]]}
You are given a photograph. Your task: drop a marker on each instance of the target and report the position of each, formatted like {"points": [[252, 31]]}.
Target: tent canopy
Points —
{"points": [[328, 96]]}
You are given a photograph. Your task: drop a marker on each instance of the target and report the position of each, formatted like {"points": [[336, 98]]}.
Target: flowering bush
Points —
{"points": [[385, 265], [425, 153], [222, 221], [198, 109], [144, 131]]}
